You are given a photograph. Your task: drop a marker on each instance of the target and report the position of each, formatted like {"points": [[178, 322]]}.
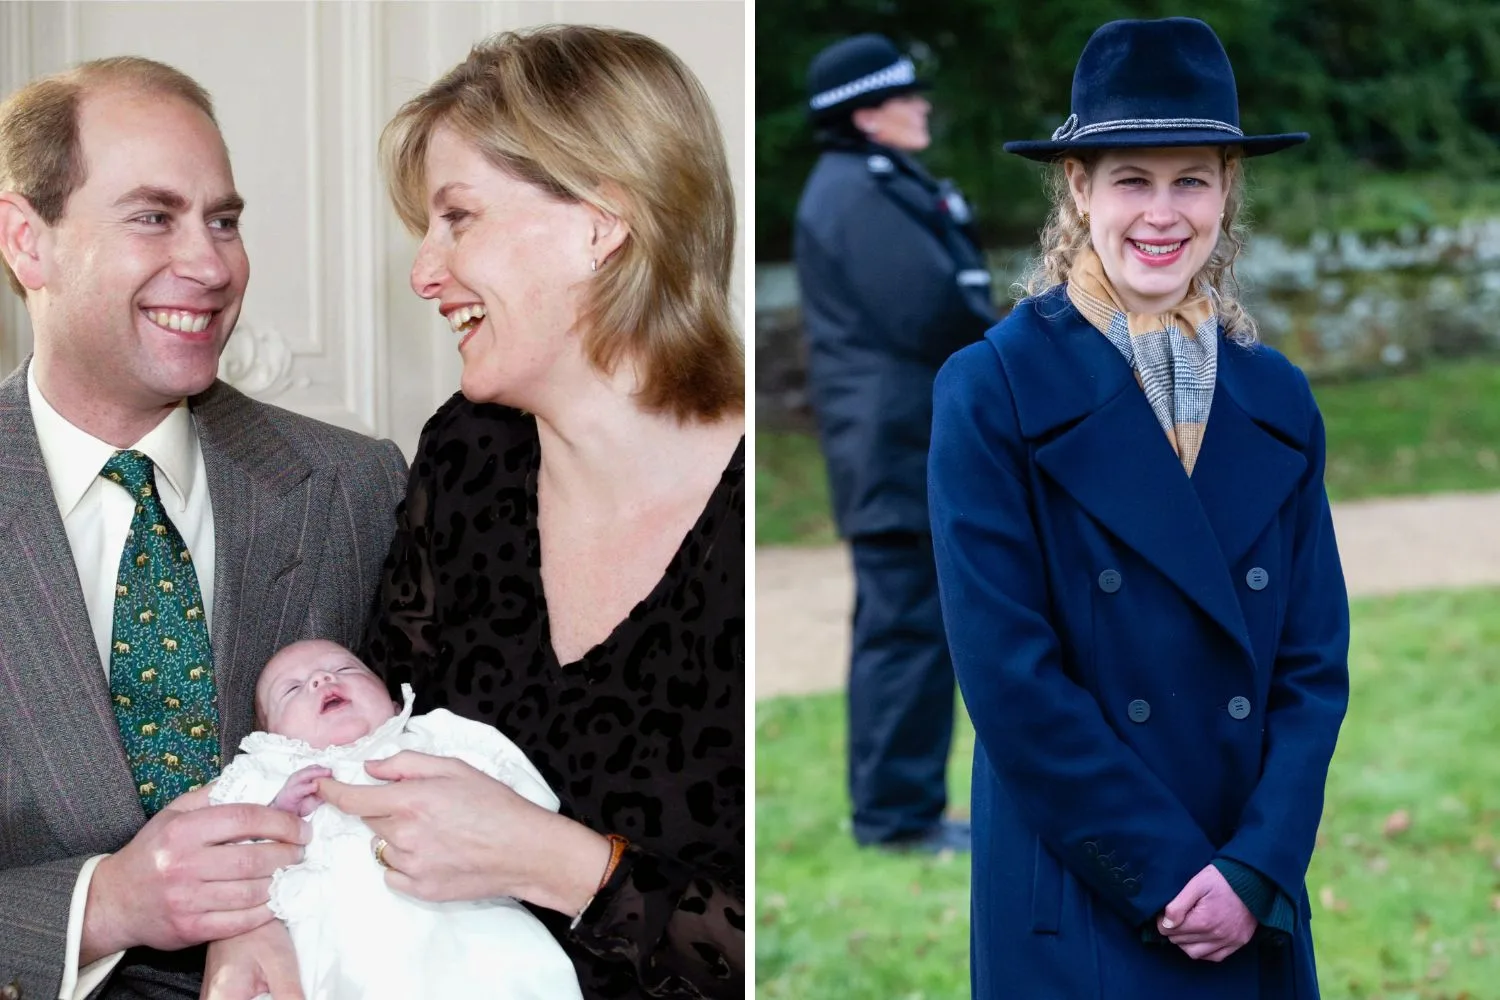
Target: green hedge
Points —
{"points": [[1383, 85]]}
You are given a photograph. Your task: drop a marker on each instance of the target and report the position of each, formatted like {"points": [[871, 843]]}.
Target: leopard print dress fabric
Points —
{"points": [[644, 736]]}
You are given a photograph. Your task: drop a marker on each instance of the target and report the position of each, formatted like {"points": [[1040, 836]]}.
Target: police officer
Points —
{"points": [[892, 282]]}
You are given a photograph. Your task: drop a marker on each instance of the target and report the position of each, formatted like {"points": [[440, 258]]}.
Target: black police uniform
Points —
{"points": [[892, 283]]}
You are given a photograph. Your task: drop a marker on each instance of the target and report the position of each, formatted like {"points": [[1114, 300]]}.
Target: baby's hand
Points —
{"points": [[300, 795]]}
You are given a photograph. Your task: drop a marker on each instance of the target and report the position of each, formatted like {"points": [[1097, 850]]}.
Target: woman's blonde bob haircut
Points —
{"points": [[1065, 234], [614, 120]]}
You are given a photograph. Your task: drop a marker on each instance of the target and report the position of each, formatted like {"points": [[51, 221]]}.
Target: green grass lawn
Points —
{"points": [[1433, 430], [1405, 884]]}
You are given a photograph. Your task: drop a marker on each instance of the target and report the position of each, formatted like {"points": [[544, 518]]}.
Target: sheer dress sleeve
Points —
{"points": [[683, 930]]}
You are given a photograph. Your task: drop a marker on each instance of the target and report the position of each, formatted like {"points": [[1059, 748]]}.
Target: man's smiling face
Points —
{"points": [[144, 273]]}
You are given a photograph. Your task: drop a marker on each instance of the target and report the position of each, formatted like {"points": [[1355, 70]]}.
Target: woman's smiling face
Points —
{"points": [[1154, 218], [507, 264]]}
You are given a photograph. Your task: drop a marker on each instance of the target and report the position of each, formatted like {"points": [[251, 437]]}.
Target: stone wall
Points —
{"points": [[1341, 305]]}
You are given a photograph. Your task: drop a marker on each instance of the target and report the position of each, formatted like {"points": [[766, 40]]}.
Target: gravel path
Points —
{"points": [[803, 596]]}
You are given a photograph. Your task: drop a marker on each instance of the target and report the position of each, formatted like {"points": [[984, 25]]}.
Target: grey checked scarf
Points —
{"points": [[1175, 355]]}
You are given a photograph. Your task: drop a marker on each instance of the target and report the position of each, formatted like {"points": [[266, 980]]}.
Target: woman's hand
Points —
{"points": [[244, 967], [453, 832], [1207, 920]]}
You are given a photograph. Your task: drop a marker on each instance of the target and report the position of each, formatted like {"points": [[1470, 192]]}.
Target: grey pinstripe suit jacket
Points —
{"points": [[303, 515]]}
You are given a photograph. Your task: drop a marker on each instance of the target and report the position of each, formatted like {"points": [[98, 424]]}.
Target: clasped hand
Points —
{"points": [[1207, 919]]}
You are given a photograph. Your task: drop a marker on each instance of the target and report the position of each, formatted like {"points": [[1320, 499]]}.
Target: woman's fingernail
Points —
{"points": [[1168, 923]]}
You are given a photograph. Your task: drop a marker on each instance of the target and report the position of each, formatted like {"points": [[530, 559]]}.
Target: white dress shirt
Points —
{"points": [[96, 514]]}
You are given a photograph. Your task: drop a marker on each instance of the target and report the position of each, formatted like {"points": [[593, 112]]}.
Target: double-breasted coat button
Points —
{"points": [[11, 990], [1257, 578], [1109, 581], [1239, 708], [1139, 710]]}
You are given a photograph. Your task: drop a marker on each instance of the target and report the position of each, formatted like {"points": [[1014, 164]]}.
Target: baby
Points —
{"points": [[324, 714]]}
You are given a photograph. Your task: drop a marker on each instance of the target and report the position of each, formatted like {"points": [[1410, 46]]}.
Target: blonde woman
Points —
{"points": [[569, 559], [1137, 565]]}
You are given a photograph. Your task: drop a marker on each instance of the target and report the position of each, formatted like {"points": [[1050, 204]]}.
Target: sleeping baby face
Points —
{"points": [[319, 692]]}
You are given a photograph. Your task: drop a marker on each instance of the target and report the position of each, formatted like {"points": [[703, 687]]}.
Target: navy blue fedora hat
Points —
{"points": [[859, 72], [1153, 83]]}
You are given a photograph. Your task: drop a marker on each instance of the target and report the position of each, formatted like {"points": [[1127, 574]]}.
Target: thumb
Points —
{"points": [[223, 984], [1177, 910], [188, 801], [281, 978], [228, 983], [409, 764]]}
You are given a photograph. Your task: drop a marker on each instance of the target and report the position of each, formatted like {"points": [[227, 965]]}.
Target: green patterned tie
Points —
{"points": [[160, 665]]}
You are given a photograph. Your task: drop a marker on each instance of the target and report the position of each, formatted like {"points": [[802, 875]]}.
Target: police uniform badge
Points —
{"points": [[954, 204]]}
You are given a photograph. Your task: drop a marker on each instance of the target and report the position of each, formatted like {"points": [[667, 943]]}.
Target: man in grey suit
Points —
{"points": [[121, 454]]}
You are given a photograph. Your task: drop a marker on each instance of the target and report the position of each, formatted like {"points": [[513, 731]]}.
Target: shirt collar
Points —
{"points": [[74, 456]]}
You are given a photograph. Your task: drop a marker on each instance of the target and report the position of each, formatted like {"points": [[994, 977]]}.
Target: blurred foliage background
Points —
{"points": [[1386, 87]]}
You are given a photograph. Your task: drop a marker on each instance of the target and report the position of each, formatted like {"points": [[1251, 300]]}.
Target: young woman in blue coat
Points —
{"points": [[1138, 571]]}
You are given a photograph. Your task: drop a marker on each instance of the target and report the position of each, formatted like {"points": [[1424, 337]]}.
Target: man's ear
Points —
{"points": [[23, 238]]}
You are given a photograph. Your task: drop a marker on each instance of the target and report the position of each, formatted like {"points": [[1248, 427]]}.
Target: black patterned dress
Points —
{"points": [[644, 736]]}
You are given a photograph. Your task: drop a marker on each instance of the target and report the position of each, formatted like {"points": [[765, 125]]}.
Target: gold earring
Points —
{"points": [[1085, 217]]}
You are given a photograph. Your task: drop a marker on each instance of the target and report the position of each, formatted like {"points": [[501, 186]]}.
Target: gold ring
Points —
{"points": [[380, 845]]}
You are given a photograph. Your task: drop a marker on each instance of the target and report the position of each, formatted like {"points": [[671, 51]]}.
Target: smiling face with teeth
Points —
{"points": [[135, 289], [508, 264], [319, 692], [1154, 218]]}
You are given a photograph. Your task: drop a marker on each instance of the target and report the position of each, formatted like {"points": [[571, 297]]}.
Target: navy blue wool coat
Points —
{"points": [[1156, 666]]}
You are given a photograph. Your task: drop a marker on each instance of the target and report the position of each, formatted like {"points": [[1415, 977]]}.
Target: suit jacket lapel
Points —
{"points": [[59, 727], [267, 504]]}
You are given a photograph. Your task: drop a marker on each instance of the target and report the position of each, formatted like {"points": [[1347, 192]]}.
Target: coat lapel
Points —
{"points": [[267, 506], [59, 728], [1116, 463], [1100, 442], [1246, 469]]}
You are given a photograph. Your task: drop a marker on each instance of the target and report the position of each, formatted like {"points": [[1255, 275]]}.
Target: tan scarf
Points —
{"points": [[1175, 355]]}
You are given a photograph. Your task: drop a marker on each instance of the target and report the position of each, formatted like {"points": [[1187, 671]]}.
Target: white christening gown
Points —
{"points": [[357, 939]]}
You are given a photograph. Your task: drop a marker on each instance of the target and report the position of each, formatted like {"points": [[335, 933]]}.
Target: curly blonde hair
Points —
{"points": [[1065, 234]]}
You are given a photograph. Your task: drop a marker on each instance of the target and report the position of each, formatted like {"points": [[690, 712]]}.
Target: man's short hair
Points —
{"points": [[41, 154], [615, 120]]}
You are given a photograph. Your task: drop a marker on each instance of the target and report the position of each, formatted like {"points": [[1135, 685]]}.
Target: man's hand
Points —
{"points": [[244, 967], [186, 878], [1207, 920], [299, 796]]}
